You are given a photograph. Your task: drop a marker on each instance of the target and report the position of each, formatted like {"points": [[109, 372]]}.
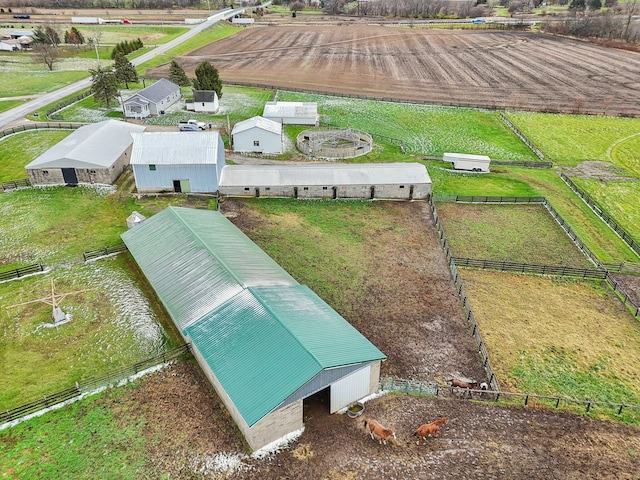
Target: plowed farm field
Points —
{"points": [[492, 69]]}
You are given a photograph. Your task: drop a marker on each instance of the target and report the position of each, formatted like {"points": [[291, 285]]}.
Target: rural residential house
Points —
{"points": [[177, 161], [265, 342], [258, 135], [204, 101], [153, 100], [388, 181], [96, 153], [292, 113]]}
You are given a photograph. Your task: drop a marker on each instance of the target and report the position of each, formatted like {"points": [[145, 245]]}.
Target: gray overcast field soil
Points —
{"points": [[493, 69]]}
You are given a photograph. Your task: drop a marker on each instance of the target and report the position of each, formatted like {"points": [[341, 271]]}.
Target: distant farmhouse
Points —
{"points": [[257, 135], [292, 113], [19, 39], [96, 153], [181, 162], [205, 101], [265, 342], [383, 181], [153, 100]]}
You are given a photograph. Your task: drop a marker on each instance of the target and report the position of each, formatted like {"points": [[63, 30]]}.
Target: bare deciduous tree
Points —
{"points": [[46, 53]]}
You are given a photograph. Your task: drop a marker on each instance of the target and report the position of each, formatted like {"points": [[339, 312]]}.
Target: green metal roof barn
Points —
{"points": [[264, 341]]}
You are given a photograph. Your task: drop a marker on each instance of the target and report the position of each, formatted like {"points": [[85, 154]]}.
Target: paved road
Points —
{"points": [[21, 111]]}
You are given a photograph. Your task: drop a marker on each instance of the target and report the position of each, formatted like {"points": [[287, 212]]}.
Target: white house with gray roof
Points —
{"points": [[258, 135], [96, 153], [153, 100], [181, 162]]}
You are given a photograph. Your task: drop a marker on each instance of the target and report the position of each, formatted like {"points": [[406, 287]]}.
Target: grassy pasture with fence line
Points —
{"points": [[510, 233], [620, 199], [16, 151], [569, 139], [555, 336]]}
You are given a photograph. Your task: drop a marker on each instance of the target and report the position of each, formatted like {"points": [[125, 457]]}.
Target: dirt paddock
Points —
{"points": [[493, 69]]}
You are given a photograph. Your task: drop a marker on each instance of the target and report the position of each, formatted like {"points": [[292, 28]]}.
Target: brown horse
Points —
{"points": [[378, 430], [429, 429]]}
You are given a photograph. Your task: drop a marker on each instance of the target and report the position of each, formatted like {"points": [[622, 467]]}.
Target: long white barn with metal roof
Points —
{"points": [[384, 181], [292, 113], [96, 153], [264, 341]]}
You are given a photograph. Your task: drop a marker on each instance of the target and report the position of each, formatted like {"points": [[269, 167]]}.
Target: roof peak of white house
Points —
{"points": [[257, 122]]}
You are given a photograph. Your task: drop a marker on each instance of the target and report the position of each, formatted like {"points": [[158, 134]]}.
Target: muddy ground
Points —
{"points": [[190, 435], [493, 69]]}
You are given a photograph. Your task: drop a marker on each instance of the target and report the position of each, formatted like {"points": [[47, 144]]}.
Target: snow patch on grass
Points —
{"points": [[224, 464]]}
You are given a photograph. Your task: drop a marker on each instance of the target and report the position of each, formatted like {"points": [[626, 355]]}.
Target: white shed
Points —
{"points": [[258, 135], [292, 113], [205, 101], [465, 161], [180, 162]]}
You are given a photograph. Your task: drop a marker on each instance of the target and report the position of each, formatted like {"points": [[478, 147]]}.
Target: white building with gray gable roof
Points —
{"points": [[153, 100], [292, 113], [181, 162], [96, 153], [257, 135]]}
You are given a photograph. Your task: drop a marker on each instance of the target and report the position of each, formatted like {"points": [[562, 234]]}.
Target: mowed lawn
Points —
{"points": [[513, 233], [570, 139], [555, 336], [620, 199], [16, 151]]}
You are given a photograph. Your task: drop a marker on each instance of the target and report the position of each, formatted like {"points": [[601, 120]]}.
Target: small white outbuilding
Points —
{"points": [[465, 161], [292, 113], [257, 135]]}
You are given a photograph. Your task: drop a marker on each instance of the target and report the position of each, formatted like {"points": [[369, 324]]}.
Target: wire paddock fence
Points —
{"points": [[623, 267], [504, 266], [21, 272], [51, 113], [487, 199], [522, 136], [104, 251], [40, 126], [475, 330], [334, 143], [604, 216], [15, 184], [89, 385], [531, 400]]}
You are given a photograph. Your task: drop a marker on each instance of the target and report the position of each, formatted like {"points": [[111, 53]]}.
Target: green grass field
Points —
{"points": [[512, 233], [426, 130], [557, 336], [619, 199], [569, 139], [20, 149], [37, 81], [149, 34], [9, 104]]}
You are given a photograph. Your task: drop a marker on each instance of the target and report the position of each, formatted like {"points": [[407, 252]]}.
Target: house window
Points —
{"points": [[152, 168], [45, 172], [256, 143], [92, 171], [246, 189], [305, 188], [324, 188], [203, 104], [267, 188], [401, 186]]}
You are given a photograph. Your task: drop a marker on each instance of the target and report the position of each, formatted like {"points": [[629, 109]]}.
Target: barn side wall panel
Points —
{"points": [[202, 178], [272, 427], [350, 389]]}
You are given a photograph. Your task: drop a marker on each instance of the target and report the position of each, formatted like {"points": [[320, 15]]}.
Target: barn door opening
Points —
{"points": [[316, 407], [177, 187], [69, 176], [411, 192], [372, 192]]}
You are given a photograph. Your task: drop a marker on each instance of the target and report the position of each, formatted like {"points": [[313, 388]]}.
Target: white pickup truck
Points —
{"points": [[191, 125]]}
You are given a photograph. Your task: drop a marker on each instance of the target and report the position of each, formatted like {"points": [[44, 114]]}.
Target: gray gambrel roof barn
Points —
{"points": [[264, 341], [96, 153]]}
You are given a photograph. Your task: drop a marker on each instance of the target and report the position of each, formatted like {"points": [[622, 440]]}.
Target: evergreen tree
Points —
{"points": [[207, 78], [177, 75], [74, 37], [104, 86], [124, 70], [47, 35]]}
